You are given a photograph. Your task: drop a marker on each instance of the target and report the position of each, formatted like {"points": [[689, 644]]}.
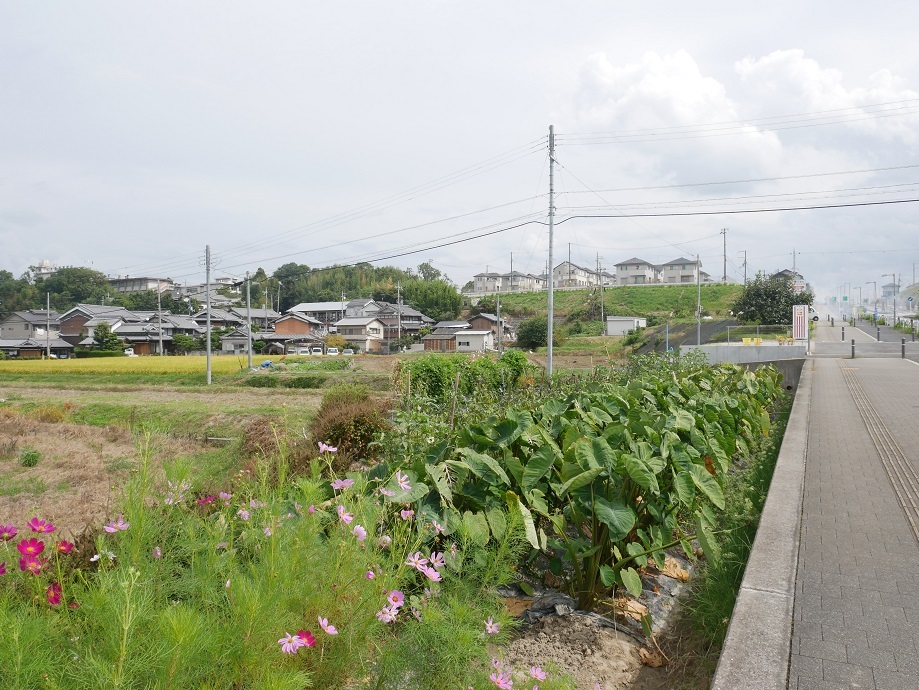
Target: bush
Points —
{"points": [[29, 457], [304, 381], [262, 381], [89, 354], [533, 333], [349, 419]]}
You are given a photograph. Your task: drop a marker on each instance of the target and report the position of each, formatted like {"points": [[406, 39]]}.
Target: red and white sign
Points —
{"points": [[798, 285], [799, 321]]}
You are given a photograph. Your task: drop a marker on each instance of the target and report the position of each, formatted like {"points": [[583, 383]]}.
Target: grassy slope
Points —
{"points": [[629, 301]]}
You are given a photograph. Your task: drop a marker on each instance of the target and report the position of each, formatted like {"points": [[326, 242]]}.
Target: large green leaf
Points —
{"points": [[632, 581], [576, 482], [507, 432], [616, 515], [514, 502], [537, 467], [707, 484], [639, 473], [684, 486], [438, 475], [478, 462], [476, 527], [707, 540], [497, 522]]}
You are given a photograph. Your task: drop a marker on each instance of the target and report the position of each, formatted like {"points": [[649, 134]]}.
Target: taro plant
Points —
{"points": [[606, 478]]}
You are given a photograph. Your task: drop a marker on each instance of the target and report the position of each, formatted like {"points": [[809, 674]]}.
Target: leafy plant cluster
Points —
{"points": [[608, 476], [435, 376], [769, 301]]}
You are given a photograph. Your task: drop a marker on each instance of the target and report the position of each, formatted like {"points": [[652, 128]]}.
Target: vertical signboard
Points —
{"points": [[799, 322]]}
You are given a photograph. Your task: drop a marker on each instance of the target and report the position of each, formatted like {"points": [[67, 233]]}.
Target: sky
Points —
{"points": [[133, 135]]}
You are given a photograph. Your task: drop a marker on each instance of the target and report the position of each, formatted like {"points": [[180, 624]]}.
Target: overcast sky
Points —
{"points": [[134, 134]]}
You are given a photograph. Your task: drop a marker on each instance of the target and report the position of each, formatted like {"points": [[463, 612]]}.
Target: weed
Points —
{"points": [[29, 457]]}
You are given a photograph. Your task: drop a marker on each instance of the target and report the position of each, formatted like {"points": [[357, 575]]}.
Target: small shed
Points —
{"points": [[621, 325]]}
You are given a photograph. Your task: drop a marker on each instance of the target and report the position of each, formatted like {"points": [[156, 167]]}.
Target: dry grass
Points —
{"points": [[220, 364]]}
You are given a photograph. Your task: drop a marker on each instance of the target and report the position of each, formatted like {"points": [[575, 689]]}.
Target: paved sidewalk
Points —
{"points": [[856, 605]]}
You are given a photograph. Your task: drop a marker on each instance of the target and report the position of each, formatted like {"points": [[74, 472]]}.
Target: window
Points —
{"points": [[464, 343]]}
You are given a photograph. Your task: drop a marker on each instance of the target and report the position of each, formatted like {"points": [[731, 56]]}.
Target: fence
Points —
{"points": [[752, 334]]}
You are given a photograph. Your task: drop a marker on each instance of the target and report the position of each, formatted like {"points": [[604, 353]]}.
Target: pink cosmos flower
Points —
{"points": [[267, 531], [388, 614], [307, 637], [340, 484], [32, 563], [40, 526], [417, 561], [432, 574], [407, 514], [453, 549], [7, 532], [64, 546], [255, 505], [359, 532], [329, 629], [53, 594], [402, 481], [491, 627], [369, 575], [387, 492], [3, 568], [30, 547], [119, 526], [438, 528], [437, 560], [344, 516], [290, 643], [323, 448], [206, 500], [385, 541], [244, 514], [157, 552], [502, 680], [311, 510], [224, 496], [396, 598], [537, 673]]}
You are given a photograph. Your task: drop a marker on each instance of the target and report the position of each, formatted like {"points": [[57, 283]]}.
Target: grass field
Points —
{"points": [[629, 300]]}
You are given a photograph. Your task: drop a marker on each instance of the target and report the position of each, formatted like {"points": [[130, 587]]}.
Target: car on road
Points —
{"points": [[347, 351], [316, 350], [332, 352], [812, 314]]}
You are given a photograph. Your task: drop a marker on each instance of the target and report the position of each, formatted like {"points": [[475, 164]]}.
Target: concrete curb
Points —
{"points": [[758, 644]]}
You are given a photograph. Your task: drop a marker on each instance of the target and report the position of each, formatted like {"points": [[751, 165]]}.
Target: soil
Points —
{"points": [[75, 481]]}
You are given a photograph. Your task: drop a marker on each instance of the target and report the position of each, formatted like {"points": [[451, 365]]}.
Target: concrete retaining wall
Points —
{"points": [[742, 354]]}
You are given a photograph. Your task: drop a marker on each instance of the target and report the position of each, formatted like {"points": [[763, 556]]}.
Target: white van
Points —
{"points": [[332, 352]]}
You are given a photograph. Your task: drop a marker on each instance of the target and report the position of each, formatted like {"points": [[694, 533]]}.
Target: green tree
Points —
{"points": [[533, 333], [769, 302], [105, 339], [69, 286], [184, 343]]}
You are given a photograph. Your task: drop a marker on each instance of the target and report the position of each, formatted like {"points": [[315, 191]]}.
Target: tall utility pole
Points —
{"points": [[279, 296], [399, 311], [511, 286], [600, 284], [698, 301], [724, 233], [207, 289], [248, 320], [744, 266], [569, 265], [48, 325], [265, 292], [551, 321], [500, 329], [159, 314]]}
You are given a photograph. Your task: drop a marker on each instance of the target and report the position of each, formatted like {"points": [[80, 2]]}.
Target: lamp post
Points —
{"points": [[859, 288], [894, 276]]}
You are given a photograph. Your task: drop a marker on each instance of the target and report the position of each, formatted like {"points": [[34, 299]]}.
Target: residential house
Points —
{"points": [[441, 340], [636, 271], [221, 318], [145, 338], [513, 281], [451, 325], [366, 332], [326, 312], [400, 319], [570, 275], [299, 324], [35, 348], [30, 324], [128, 284], [237, 341], [680, 271], [75, 323], [263, 316], [358, 308], [465, 340], [486, 322]]}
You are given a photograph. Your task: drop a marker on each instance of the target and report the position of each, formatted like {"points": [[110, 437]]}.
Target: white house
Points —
{"points": [[474, 341], [680, 271], [636, 271]]}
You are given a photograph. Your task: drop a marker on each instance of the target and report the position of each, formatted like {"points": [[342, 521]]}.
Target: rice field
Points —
{"points": [[220, 364]]}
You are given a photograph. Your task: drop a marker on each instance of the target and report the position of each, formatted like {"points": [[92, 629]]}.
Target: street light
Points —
{"points": [[894, 276]]}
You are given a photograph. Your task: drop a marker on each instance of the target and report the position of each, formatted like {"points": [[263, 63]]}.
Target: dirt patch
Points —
{"points": [[578, 646], [75, 481]]}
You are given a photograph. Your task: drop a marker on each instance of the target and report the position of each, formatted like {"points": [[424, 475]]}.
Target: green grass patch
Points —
{"points": [[14, 486]]}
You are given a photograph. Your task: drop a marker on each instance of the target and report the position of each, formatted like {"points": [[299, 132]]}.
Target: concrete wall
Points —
{"points": [[742, 354]]}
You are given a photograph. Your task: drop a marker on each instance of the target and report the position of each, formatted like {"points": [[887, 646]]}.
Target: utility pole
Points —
{"points": [[569, 265], [248, 320], [551, 322], [265, 292], [600, 285], [500, 329], [744, 266], [48, 325], [159, 314], [724, 278], [399, 312], [512, 273], [279, 297], [207, 288], [698, 301]]}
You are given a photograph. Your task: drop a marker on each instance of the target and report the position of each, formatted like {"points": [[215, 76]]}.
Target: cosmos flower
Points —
{"points": [[491, 627], [40, 526], [7, 532], [340, 484], [30, 547], [329, 629]]}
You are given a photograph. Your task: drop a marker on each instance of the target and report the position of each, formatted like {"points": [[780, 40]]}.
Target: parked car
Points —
{"points": [[129, 352], [332, 352], [316, 350], [303, 351], [347, 351], [812, 314]]}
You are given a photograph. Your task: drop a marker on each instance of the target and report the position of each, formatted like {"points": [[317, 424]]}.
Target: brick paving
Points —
{"points": [[856, 611]]}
